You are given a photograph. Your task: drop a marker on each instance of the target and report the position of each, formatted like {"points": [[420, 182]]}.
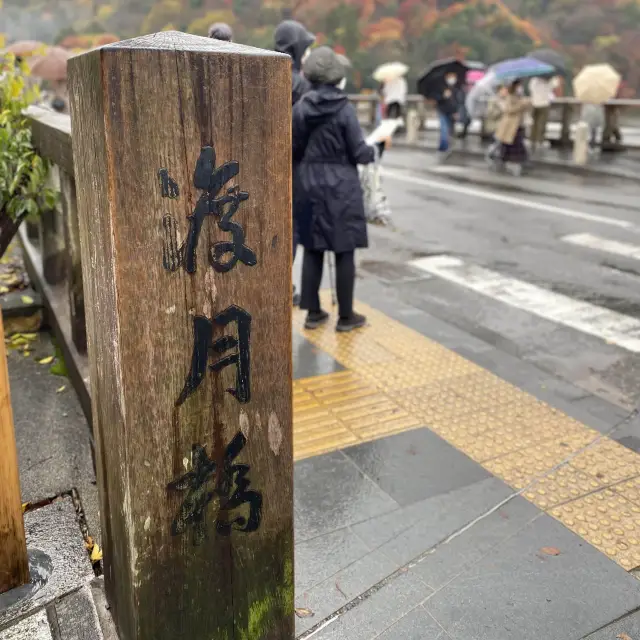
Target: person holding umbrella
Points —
{"points": [[441, 82], [394, 87], [593, 86], [510, 130]]}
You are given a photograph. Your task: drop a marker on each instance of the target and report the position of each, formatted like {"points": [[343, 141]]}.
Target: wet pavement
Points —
{"points": [[468, 465]]}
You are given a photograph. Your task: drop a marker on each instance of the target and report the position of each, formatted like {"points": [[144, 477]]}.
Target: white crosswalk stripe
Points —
{"points": [[602, 244], [615, 328]]}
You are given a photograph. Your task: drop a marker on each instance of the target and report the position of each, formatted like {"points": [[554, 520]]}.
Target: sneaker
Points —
{"points": [[316, 319], [349, 324]]}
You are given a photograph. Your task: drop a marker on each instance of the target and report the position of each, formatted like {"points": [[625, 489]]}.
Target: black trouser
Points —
{"points": [[312, 277], [394, 110]]}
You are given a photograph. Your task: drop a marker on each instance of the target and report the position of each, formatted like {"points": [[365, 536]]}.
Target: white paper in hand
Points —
{"points": [[384, 130]]}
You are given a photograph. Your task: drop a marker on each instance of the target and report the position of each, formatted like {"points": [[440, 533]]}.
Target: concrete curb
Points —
{"points": [[572, 169]]}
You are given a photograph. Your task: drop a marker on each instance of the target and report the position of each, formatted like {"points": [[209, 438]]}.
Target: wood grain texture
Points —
{"points": [[73, 261], [137, 107], [51, 136], [14, 565]]}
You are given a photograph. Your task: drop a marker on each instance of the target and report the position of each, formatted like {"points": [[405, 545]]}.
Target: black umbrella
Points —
{"points": [[432, 82], [549, 56]]}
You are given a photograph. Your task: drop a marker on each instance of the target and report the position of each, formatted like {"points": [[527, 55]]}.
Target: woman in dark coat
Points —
{"points": [[328, 144]]}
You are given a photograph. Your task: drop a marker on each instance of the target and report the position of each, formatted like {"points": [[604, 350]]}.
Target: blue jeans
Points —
{"points": [[446, 130]]}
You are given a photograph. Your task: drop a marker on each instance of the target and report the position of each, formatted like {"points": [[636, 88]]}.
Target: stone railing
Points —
{"points": [[52, 249], [564, 111]]}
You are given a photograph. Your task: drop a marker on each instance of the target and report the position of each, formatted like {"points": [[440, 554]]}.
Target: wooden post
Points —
{"points": [[73, 258], [182, 155], [14, 564], [565, 131]]}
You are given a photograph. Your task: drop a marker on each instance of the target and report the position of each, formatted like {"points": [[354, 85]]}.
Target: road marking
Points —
{"points": [[602, 244], [614, 328], [498, 197]]}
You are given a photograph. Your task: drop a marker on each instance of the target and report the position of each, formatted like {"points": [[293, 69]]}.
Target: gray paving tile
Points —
{"points": [[449, 559], [609, 413], [415, 465], [309, 360], [342, 587], [629, 625], [517, 591], [321, 557], [379, 611], [416, 625], [406, 534], [330, 493]]}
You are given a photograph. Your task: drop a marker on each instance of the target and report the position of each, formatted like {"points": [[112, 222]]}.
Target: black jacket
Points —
{"points": [[327, 146], [293, 39], [447, 101]]}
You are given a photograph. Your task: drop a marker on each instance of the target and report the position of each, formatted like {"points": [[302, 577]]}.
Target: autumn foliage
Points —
{"points": [[369, 31]]}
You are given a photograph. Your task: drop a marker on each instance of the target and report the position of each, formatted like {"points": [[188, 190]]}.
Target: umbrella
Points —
{"points": [[52, 65], [475, 75], [517, 68], [549, 56], [431, 82], [480, 93], [390, 71], [475, 65], [25, 48], [596, 83]]}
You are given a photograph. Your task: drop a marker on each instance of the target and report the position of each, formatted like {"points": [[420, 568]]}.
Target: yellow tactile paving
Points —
{"points": [[608, 521], [397, 379]]}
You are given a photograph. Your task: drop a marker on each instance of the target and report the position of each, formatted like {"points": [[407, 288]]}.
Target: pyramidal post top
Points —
{"points": [[178, 41]]}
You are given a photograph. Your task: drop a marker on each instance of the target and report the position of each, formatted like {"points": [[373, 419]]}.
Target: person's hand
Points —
{"points": [[386, 141]]}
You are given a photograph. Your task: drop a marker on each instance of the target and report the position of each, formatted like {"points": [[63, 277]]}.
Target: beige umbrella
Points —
{"points": [[25, 48], [596, 83], [390, 71], [52, 65]]}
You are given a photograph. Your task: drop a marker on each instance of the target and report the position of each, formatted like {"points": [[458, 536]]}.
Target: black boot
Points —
{"points": [[355, 321], [316, 319]]}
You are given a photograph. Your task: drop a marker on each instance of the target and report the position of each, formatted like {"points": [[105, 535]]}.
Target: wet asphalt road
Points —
{"points": [[517, 229]]}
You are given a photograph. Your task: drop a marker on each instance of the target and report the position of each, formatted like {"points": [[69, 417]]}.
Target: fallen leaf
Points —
{"points": [[550, 551], [26, 299], [61, 389], [96, 553], [89, 543], [24, 506], [304, 613], [4, 289], [47, 360], [26, 353], [623, 636]]}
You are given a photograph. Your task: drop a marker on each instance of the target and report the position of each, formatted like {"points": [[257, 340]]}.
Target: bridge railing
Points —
{"points": [[52, 248], [564, 111]]}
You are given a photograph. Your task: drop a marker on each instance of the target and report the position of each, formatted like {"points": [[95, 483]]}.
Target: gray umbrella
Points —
{"points": [[551, 57]]}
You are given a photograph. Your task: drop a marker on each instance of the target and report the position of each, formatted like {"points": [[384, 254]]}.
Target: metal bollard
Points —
{"points": [[413, 124], [581, 144]]}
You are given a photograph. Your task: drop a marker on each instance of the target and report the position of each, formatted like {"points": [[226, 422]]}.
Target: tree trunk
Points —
{"points": [[8, 229]]}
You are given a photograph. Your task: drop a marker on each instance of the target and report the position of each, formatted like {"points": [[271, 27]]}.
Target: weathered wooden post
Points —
{"points": [[565, 127], [182, 151], [14, 565]]}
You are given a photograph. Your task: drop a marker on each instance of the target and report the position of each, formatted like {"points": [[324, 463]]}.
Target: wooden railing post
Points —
{"points": [[73, 265], [182, 155], [14, 565], [53, 248], [565, 131]]}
